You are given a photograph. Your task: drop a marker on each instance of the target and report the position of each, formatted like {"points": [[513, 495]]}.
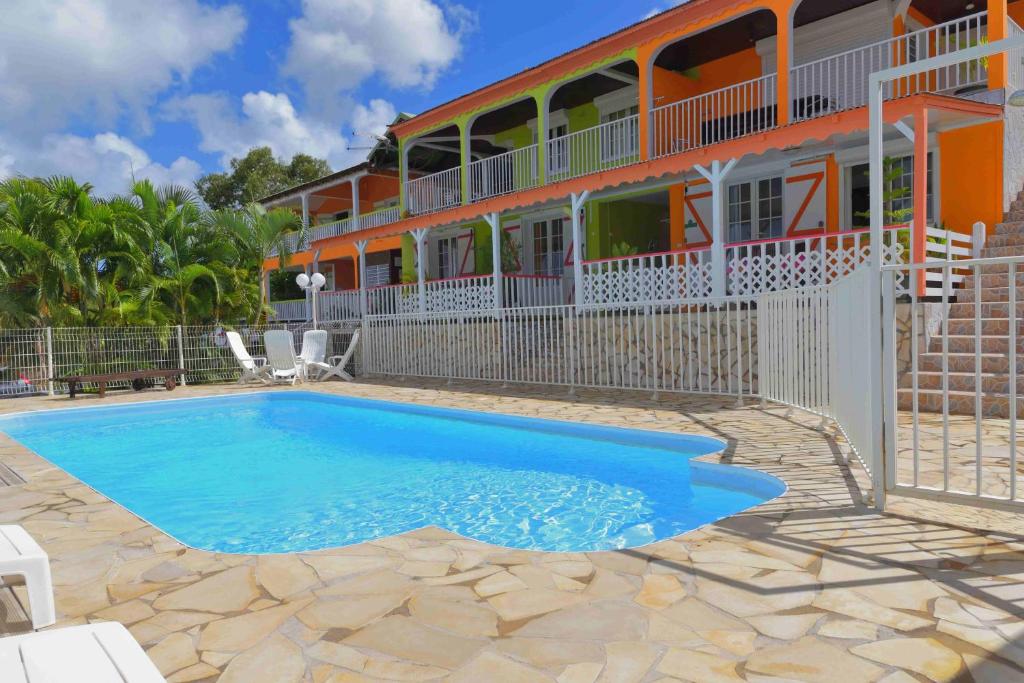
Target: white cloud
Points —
{"points": [[374, 119], [664, 7], [109, 161], [338, 44], [95, 60], [269, 119]]}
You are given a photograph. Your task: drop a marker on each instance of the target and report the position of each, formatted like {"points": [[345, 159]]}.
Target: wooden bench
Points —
{"points": [[137, 378]]}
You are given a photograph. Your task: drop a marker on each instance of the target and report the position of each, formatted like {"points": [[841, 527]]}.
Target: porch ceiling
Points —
{"points": [[942, 110], [584, 90], [737, 35]]}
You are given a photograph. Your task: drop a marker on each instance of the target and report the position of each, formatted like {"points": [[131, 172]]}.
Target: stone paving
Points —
{"points": [[813, 586]]}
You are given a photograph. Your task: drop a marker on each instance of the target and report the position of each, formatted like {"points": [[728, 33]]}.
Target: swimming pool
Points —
{"points": [[290, 471]]}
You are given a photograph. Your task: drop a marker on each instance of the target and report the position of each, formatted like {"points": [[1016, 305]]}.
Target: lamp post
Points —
{"points": [[313, 285]]}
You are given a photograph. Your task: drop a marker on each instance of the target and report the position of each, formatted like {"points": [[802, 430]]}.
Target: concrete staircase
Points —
{"points": [[1008, 240]]}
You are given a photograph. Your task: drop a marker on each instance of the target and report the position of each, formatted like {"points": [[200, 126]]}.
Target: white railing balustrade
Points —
{"points": [[716, 116], [435, 192], [463, 293], [380, 217], [666, 276], [609, 145], [325, 231], [772, 265], [700, 346], [294, 309], [1015, 58], [525, 291], [504, 173], [340, 305], [840, 82], [392, 299]]}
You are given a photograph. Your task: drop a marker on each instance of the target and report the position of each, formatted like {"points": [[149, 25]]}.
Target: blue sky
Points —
{"points": [[101, 90]]}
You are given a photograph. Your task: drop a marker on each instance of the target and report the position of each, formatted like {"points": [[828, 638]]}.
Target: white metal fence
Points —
{"points": [[608, 145], [701, 346], [31, 359], [504, 173]]}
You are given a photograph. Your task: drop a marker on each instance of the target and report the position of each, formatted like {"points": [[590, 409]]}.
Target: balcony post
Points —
{"points": [[495, 223], [355, 200], [308, 293], [715, 176], [542, 137], [465, 156], [361, 248], [577, 202], [403, 179], [997, 30], [420, 235], [784, 65], [919, 233]]}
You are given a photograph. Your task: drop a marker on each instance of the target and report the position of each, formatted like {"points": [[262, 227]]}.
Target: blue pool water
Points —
{"points": [[290, 471]]}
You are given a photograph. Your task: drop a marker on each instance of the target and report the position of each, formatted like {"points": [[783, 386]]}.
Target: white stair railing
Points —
{"points": [[716, 116], [504, 173]]}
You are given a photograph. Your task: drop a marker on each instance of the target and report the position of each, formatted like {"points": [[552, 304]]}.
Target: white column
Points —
{"points": [[355, 200], [715, 176], [495, 223], [420, 235], [361, 248], [577, 201]]}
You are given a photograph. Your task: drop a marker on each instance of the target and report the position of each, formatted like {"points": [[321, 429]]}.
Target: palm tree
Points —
{"points": [[259, 235]]}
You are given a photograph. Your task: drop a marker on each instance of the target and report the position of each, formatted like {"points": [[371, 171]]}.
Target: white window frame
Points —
{"points": [[755, 207], [847, 159]]}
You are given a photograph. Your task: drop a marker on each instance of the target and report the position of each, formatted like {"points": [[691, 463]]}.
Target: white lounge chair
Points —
{"points": [[335, 366], [282, 365], [314, 350], [21, 555], [253, 369], [91, 653]]}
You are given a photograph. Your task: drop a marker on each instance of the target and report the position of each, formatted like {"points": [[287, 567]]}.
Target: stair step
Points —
{"points": [[990, 327], [996, 279], [1009, 227], [993, 363], [1011, 240], [1001, 268], [992, 251], [992, 294], [960, 403], [997, 383], [967, 344], [988, 310]]}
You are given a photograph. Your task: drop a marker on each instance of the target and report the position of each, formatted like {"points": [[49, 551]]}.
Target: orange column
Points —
{"points": [[783, 43], [920, 218], [997, 71], [645, 89], [677, 216]]}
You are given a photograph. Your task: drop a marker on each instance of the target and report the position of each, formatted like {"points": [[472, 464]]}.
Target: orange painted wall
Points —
{"points": [[670, 86], [971, 176], [1016, 11]]}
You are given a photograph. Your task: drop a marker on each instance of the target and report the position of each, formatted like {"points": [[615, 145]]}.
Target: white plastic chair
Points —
{"points": [[253, 369], [314, 350], [335, 366], [21, 555], [91, 653], [282, 365]]}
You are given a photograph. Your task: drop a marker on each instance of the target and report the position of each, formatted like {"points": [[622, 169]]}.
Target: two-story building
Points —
{"points": [[718, 148]]}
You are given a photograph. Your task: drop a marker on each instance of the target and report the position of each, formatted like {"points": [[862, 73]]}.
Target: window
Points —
{"points": [[755, 210], [620, 140], [902, 169], [558, 159], [447, 256], [549, 247]]}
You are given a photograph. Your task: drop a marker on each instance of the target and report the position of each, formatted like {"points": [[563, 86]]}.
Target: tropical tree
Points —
{"points": [[259, 235], [257, 175]]}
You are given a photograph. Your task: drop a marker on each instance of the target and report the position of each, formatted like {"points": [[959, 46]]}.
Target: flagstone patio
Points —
{"points": [[813, 586]]}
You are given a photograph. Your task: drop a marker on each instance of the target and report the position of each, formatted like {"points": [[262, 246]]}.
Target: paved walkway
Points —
{"points": [[813, 586]]}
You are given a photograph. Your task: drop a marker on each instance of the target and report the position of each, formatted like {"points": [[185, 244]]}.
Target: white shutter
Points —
{"points": [[698, 211]]}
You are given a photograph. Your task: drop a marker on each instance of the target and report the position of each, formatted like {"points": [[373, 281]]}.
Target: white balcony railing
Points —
{"points": [[464, 293], [435, 192], [840, 82], [380, 217], [341, 305], [609, 145], [523, 291], [715, 116], [325, 231], [665, 276], [503, 173], [294, 309], [1015, 58], [391, 299]]}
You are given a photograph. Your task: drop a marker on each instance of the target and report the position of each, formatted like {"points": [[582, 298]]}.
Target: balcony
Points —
{"points": [[344, 226], [468, 293]]}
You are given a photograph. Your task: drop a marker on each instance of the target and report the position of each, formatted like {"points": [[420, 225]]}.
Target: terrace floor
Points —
{"points": [[813, 586]]}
